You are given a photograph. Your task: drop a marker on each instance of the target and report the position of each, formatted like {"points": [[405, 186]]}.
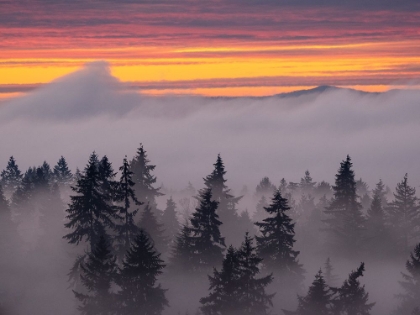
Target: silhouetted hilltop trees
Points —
{"points": [[120, 242]]}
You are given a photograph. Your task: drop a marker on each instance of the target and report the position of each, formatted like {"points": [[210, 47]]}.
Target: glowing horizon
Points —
{"points": [[237, 49]]}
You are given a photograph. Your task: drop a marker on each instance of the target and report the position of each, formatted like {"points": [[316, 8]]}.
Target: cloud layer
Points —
{"points": [[276, 137]]}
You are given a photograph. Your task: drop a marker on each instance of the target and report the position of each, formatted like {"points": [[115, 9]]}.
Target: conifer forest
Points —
{"points": [[107, 238]]}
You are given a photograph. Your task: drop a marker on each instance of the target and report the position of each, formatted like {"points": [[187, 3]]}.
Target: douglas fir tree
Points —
{"points": [[98, 274], [351, 298], [11, 177], [410, 298], [318, 301], [170, 220], [275, 245], [345, 222], [139, 294], [226, 202], [144, 180], [125, 197], [90, 212], [404, 215]]}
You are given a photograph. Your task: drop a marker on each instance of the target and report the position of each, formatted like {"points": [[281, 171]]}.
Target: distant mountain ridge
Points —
{"points": [[321, 89]]}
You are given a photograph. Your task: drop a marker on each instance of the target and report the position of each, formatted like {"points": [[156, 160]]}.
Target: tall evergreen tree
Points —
{"points": [[227, 203], [207, 241], [224, 288], [253, 297], [330, 278], [182, 254], [265, 188], [245, 224], [61, 173], [150, 224], [404, 215], [139, 293], [318, 300], [7, 229], [170, 220], [275, 245], [11, 177], [98, 274], [345, 222], [89, 213], [260, 213], [352, 298], [125, 197], [236, 289], [410, 298], [144, 179], [307, 185], [378, 234]]}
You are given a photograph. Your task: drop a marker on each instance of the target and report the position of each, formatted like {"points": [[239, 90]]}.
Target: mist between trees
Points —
{"points": [[106, 239]]}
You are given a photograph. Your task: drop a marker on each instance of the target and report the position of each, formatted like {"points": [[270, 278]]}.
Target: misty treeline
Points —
{"points": [[121, 244]]}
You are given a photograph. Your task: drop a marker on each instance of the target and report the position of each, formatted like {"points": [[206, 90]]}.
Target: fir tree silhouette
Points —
{"points": [[352, 298], [275, 245], [404, 215], [61, 173], [11, 177], [98, 274], [144, 179], [410, 298], [318, 300], [226, 201], [345, 222], [90, 212], [170, 220], [137, 279], [207, 241], [125, 197], [154, 229]]}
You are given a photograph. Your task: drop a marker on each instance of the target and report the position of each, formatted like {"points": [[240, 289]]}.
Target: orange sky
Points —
{"points": [[214, 49]]}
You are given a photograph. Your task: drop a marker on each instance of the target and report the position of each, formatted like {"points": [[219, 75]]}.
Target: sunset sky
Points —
{"points": [[213, 48]]}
